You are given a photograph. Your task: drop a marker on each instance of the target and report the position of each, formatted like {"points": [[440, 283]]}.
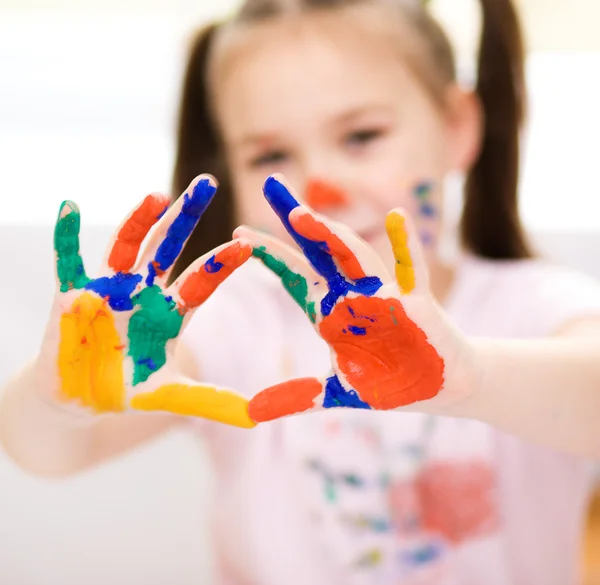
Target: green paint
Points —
{"points": [[393, 316], [150, 327], [69, 265], [293, 282], [310, 310], [330, 493]]}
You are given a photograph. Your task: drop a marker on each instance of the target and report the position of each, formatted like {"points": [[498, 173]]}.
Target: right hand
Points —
{"points": [[110, 342]]}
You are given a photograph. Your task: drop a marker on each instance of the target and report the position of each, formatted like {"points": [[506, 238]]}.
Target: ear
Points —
{"points": [[464, 116]]}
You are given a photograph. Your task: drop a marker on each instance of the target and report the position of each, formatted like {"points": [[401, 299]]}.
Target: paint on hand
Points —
{"points": [[69, 264], [321, 253], [130, 237], [117, 289], [199, 401], [293, 282], [90, 358], [199, 285], [395, 226], [393, 364], [155, 322], [336, 395], [194, 205]]}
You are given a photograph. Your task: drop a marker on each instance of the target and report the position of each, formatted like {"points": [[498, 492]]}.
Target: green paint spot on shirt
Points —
{"points": [[155, 322], [330, 494], [293, 282], [69, 265]]}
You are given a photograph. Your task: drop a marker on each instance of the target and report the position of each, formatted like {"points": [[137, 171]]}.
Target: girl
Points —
{"points": [[357, 103]]}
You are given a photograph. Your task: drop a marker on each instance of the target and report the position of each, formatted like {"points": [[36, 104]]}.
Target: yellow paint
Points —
{"points": [[405, 272], [202, 401], [90, 356]]}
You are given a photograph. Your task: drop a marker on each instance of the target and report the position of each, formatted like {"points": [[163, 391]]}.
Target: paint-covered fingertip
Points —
{"points": [[66, 208], [199, 194], [279, 196]]}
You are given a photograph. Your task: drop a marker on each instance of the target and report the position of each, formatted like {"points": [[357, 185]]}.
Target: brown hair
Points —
{"points": [[490, 225]]}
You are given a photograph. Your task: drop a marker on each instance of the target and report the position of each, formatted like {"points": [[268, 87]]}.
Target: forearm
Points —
{"points": [[44, 440], [547, 391]]}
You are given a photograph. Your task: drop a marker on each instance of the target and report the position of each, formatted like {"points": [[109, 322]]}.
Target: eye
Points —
{"points": [[363, 136], [269, 158]]}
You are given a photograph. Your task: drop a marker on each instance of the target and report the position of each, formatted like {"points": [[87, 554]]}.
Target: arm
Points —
{"points": [[47, 441], [544, 390]]}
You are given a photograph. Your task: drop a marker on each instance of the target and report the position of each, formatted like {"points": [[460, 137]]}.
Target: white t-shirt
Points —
{"points": [[349, 497]]}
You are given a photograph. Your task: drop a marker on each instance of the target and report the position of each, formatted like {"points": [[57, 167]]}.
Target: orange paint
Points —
{"points": [[321, 195], [284, 399], [311, 228], [392, 364], [199, 285], [458, 500], [131, 235]]}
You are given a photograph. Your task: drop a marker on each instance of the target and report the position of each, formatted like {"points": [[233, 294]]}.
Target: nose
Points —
{"points": [[322, 195]]}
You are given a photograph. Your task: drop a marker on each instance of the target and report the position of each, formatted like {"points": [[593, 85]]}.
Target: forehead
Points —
{"points": [[299, 70]]}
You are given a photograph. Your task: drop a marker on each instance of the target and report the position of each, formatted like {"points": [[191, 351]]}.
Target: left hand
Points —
{"points": [[391, 344]]}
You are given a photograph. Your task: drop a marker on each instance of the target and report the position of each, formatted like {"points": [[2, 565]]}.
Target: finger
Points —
{"points": [[410, 266], [133, 231], [203, 277], [70, 271], [303, 395], [283, 202], [295, 273], [291, 397], [354, 256], [197, 400], [174, 229]]}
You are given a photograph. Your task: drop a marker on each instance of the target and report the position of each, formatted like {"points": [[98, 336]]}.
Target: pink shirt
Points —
{"points": [[362, 498]]}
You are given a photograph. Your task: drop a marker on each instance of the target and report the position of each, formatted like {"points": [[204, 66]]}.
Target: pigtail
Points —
{"points": [[490, 224], [199, 151]]}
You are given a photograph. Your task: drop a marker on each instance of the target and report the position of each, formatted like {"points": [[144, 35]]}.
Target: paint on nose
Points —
{"points": [[321, 195]]}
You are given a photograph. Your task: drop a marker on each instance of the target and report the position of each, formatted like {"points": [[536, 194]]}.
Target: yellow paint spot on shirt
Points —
{"points": [[90, 357], [405, 272], [202, 401]]}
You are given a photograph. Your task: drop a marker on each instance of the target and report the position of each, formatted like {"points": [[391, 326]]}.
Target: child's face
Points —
{"points": [[316, 104]]}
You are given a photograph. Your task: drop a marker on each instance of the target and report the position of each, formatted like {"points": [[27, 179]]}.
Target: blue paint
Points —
{"points": [[151, 274], [424, 555], [168, 299], [353, 480], [147, 362], [351, 311], [283, 203], [117, 289], [159, 216], [212, 265], [426, 238], [179, 231], [427, 210], [423, 189], [357, 330], [336, 395]]}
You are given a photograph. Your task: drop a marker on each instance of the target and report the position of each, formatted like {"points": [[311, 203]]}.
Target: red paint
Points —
{"points": [[199, 285], [321, 195], [311, 228], [393, 364], [458, 499], [133, 232], [284, 399]]}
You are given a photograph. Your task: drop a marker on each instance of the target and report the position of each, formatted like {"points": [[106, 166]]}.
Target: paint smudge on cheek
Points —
{"points": [[90, 358]]}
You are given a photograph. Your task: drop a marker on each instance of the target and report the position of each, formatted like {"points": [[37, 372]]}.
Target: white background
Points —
{"points": [[88, 93]]}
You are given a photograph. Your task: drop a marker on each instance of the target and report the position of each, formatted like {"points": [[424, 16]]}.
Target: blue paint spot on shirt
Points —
{"points": [[422, 556], [357, 330], [427, 210], [117, 289], [179, 231], [336, 395], [283, 203], [212, 266]]}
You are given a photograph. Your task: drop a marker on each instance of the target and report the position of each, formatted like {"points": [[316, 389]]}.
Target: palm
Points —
{"points": [[381, 358], [112, 337]]}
